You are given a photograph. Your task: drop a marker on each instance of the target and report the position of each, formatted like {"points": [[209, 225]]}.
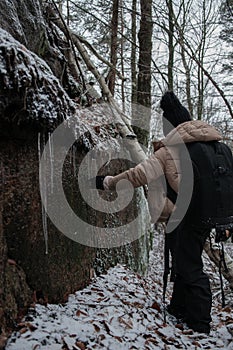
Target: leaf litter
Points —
{"points": [[122, 310]]}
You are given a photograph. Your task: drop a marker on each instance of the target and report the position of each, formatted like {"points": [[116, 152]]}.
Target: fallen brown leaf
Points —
{"points": [[79, 313], [97, 328], [227, 309], [118, 338], [101, 337], [196, 344], [80, 345], [156, 306], [188, 331], [151, 340], [23, 330], [31, 327], [229, 320], [128, 324]]}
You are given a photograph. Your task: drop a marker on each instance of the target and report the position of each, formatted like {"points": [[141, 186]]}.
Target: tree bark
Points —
{"points": [[122, 56], [142, 124], [170, 44], [185, 61], [68, 12], [145, 51], [133, 53], [114, 46]]}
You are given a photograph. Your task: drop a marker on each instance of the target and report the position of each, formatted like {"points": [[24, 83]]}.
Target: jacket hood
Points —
{"points": [[191, 131]]}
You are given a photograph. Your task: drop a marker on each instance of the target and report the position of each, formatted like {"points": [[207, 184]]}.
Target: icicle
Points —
{"points": [[39, 151], [44, 192], [45, 228], [89, 166], [2, 175], [94, 166], [74, 161], [51, 160]]}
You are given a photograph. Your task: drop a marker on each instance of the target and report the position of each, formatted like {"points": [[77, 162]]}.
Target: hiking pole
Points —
{"points": [[172, 195], [222, 262], [166, 273]]}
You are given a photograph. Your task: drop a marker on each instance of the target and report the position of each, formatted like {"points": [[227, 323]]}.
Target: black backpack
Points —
{"points": [[212, 198]]}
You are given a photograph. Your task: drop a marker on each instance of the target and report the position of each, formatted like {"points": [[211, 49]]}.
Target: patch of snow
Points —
{"points": [[120, 310], [44, 95]]}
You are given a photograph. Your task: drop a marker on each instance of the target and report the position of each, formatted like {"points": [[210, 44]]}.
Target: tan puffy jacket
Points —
{"points": [[165, 161]]}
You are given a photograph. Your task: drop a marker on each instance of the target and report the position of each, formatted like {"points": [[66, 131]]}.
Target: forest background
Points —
{"points": [[146, 47]]}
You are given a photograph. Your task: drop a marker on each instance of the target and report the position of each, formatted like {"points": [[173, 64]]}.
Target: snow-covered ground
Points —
{"points": [[122, 310]]}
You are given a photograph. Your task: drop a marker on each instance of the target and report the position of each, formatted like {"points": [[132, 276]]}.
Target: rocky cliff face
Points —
{"points": [[38, 263], [24, 21]]}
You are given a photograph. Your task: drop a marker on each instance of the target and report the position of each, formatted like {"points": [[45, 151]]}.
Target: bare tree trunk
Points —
{"points": [[133, 53], [68, 12], [170, 44], [145, 51], [144, 71], [122, 57], [201, 55], [114, 28], [188, 81], [187, 67]]}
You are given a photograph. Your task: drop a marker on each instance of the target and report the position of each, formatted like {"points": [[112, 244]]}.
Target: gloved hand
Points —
{"points": [[106, 182], [100, 182]]}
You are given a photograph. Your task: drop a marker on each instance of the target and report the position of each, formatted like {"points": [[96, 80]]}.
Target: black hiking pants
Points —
{"points": [[191, 293]]}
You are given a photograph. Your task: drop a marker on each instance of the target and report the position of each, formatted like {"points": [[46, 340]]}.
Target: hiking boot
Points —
{"points": [[177, 313], [200, 328]]}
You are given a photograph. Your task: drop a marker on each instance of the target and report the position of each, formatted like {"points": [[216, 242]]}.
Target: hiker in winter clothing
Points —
{"points": [[191, 298]]}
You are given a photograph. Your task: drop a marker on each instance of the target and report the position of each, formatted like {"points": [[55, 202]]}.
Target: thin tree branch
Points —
{"points": [[122, 121], [101, 21], [101, 58], [229, 7], [67, 34], [188, 49]]}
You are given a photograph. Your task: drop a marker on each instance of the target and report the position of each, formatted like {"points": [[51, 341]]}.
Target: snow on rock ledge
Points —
{"points": [[29, 90]]}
